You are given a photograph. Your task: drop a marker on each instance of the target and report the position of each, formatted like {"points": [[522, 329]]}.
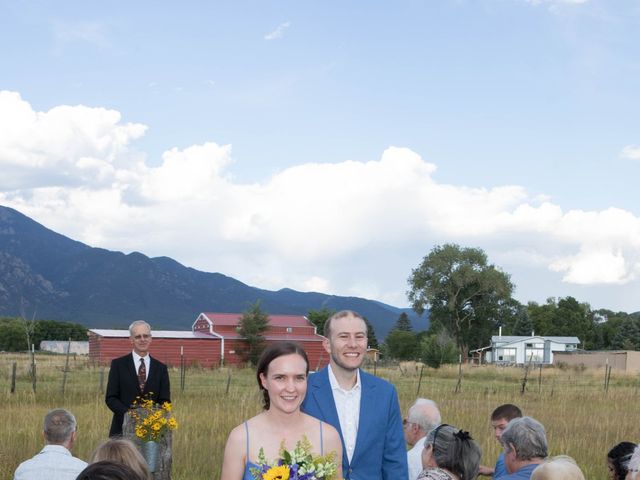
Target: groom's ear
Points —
{"points": [[327, 345]]}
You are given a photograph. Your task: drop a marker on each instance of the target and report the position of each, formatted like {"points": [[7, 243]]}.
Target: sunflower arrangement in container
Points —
{"points": [[298, 464], [152, 421]]}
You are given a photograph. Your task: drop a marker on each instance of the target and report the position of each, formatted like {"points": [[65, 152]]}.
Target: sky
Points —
{"points": [[329, 146]]}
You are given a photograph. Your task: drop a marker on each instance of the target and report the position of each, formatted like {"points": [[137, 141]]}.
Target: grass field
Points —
{"points": [[582, 420]]}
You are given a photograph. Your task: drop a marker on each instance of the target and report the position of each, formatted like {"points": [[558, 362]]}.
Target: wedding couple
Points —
{"points": [[363, 422]]}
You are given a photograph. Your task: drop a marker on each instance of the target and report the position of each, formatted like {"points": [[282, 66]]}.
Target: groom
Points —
{"points": [[363, 408]]}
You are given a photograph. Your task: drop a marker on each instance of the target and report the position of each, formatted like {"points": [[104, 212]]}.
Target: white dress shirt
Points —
{"points": [[414, 459], [54, 462], [348, 407], [147, 364]]}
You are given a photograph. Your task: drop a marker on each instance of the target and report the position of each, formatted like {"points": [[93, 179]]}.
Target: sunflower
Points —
{"points": [[277, 473]]}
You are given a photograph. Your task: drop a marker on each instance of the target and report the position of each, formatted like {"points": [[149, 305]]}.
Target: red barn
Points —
{"points": [[212, 341]]}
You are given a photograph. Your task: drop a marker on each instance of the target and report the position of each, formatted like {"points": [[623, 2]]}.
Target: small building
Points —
{"points": [[619, 360], [212, 341], [519, 350], [373, 355], [62, 346]]}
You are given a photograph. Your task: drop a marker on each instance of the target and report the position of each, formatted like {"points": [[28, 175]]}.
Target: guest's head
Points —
{"points": [[501, 416], [60, 428], [452, 449], [618, 460], [121, 450], [423, 417], [524, 442], [107, 470], [634, 465], [345, 340], [283, 367], [561, 467], [140, 337]]}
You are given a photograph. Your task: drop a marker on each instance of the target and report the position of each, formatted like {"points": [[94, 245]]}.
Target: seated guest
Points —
{"points": [[558, 468], [525, 447], [121, 450], [423, 417], [618, 460], [500, 417], [450, 454], [106, 470], [55, 459]]}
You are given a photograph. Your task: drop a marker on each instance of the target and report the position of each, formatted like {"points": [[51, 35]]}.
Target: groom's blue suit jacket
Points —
{"points": [[380, 451]]}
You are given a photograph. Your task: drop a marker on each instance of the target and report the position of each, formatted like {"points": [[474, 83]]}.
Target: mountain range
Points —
{"points": [[44, 274]]}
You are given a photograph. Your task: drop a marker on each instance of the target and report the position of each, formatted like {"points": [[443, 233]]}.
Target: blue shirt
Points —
{"points": [[500, 469], [523, 474]]}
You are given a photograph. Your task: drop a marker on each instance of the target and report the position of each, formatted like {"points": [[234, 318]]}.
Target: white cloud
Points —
{"points": [[631, 152], [350, 228], [278, 32]]}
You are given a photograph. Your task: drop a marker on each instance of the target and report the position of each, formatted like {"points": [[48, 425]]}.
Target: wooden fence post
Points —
{"points": [[13, 377]]}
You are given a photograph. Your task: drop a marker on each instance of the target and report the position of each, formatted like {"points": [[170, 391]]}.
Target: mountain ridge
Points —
{"points": [[48, 275]]}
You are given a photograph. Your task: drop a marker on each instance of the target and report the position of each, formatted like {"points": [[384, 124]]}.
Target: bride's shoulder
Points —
{"points": [[239, 432]]}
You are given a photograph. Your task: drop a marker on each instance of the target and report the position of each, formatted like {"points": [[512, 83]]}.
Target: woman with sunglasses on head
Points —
{"points": [[450, 454]]}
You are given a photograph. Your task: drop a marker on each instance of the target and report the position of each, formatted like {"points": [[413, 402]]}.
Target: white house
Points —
{"points": [[536, 349]]}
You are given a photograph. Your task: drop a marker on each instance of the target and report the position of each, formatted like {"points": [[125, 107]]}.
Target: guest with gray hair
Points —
{"points": [[54, 461], [634, 465], [450, 454], [423, 417], [525, 447]]}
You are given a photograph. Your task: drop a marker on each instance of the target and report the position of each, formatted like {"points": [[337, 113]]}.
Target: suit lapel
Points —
{"points": [[323, 396]]}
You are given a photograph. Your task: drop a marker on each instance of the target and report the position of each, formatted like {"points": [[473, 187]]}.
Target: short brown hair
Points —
{"points": [[508, 411]]}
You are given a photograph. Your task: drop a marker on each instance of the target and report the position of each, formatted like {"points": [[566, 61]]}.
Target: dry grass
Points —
{"points": [[581, 420]]}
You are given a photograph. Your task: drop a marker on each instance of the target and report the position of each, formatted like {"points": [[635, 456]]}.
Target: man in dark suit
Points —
{"points": [[135, 375], [362, 407]]}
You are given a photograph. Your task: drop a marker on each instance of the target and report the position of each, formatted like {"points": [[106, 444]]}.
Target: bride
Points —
{"points": [[282, 377]]}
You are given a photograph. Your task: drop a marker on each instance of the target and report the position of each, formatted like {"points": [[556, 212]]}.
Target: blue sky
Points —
{"points": [[330, 145]]}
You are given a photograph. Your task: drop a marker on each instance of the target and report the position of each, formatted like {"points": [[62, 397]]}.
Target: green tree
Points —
{"points": [[403, 324], [438, 349], [402, 345], [372, 341], [12, 335], [319, 318], [252, 325], [523, 326], [462, 291]]}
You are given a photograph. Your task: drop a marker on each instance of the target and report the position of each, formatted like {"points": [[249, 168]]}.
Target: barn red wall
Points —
{"points": [[203, 352]]}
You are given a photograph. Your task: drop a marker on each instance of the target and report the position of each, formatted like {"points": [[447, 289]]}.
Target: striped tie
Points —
{"points": [[142, 375]]}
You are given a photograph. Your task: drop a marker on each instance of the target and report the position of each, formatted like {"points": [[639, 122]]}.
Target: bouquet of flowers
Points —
{"points": [[152, 421], [298, 464]]}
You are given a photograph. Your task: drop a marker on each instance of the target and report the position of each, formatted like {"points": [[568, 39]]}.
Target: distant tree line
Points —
{"points": [[469, 299], [14, 333]]}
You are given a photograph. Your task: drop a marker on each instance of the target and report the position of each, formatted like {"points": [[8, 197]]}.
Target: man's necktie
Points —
{"points": [[142, 374]]}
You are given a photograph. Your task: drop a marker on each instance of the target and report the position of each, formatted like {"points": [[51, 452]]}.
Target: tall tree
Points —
{"points": [[402, 345], [403, 324], [252, 325], [462, 291], [372, 341]]}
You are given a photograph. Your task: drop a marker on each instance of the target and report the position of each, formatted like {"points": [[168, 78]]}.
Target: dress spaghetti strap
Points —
{"points": [[246, 429]]}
